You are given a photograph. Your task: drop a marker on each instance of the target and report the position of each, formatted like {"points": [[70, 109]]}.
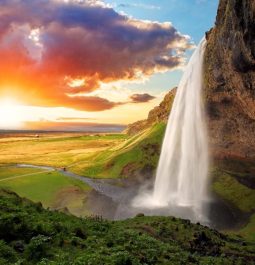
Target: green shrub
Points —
{"points": [[37, 248], [29, 236]]}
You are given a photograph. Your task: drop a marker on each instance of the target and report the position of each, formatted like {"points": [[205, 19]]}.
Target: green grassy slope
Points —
{"points": [[228, 187], [31, 235], [51, 188], [132, 155], [248, 231], [110, 156], [233, 181]]}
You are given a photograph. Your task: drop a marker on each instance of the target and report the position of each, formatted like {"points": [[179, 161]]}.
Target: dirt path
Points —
{"points": [[25, 175]]}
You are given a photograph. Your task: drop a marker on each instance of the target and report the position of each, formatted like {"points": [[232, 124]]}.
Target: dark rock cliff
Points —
{"points": [[158, 114], [230, 80]]}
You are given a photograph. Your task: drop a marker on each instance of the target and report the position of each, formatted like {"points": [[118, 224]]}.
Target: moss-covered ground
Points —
{"points": [[233, 181]]}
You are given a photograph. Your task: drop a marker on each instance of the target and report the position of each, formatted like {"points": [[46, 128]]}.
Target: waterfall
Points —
{"points": [[181, 179]]}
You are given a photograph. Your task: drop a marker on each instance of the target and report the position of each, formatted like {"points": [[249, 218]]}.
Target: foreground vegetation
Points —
{"points": [[31, 235]]}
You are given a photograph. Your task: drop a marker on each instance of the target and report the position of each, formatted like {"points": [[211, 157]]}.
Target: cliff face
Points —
{"points": [[230, 80], [156, 115]]}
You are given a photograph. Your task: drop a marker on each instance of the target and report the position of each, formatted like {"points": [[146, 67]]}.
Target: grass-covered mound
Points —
{"points": [[30, 234]]}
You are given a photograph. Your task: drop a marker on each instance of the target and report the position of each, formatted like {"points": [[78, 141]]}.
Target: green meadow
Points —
{"points": [[95, 156], [57, 150], [237, 195], [46, 186]]}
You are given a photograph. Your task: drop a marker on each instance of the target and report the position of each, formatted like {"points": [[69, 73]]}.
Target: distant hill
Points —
{"points": [[157, 115]]}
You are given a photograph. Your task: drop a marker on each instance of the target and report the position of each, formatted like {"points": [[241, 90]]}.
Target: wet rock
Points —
{"points": [[230, 80]]}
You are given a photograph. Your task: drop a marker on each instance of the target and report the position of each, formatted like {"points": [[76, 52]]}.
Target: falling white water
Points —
{"points": [[181, 179]]}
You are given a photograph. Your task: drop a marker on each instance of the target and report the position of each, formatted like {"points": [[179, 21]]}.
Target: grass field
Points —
{"points": [[11, 172], [56, 150], [51, 188], [102, 156], [249, 230]]}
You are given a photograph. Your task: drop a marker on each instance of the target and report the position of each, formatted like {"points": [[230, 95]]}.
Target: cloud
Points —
{"points": [[46, 45], [143, 6], [88, 103], [141, 98], [73, 119]]}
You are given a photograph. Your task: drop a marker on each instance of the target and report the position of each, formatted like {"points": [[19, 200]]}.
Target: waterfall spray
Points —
{"points": [[181, 179]]}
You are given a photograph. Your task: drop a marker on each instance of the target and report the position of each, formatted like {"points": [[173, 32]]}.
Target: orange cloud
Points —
{"points": [[44, 44]]}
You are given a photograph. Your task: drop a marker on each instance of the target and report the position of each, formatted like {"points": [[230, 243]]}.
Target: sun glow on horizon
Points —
{"points": [[10, 115], [15, 115]]}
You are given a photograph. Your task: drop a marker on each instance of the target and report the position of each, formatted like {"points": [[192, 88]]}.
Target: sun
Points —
{"points": [[10, 115]]}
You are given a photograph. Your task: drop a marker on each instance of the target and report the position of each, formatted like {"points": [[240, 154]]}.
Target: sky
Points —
{"points": [[78, 64]]}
